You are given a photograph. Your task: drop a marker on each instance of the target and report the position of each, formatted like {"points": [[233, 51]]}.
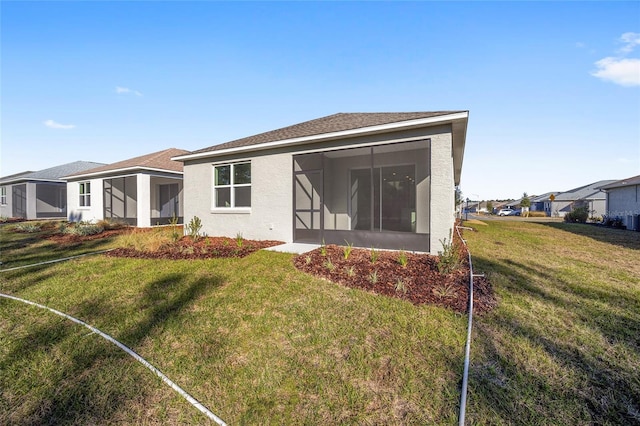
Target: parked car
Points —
{"points": [[506, 212]]}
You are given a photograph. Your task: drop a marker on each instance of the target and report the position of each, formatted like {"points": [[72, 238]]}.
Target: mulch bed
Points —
{"points": [[419, 281], [70, 239], [203, 248]]}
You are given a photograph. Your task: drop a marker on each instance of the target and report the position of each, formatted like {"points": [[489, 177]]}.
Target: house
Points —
{"points": [[38, 195], [142, 191], [623, 201], [370, 179], [590, 196], [542, 203]]}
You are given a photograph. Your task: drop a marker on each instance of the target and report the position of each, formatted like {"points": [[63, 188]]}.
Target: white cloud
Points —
{"points": [[125, 90], [630, 40], [622, 71], [53, 125]]}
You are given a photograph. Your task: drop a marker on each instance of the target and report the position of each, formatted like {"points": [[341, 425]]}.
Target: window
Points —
{"points": [[232, 185], [3, 195], [85, 194]]}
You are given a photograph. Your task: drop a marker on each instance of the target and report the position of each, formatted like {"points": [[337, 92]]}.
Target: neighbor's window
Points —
{"points": [[85, 194], [3, 195], [232, 185]]}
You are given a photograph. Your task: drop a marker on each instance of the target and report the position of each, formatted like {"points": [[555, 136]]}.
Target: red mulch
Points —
{"points": [[203, 248], [423, 284]]}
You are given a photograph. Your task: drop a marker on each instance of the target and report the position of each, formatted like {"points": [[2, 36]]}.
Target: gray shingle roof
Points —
{"points": [[635, 180], [329, 124], [592, 191], [156, 160], [52, 174]]}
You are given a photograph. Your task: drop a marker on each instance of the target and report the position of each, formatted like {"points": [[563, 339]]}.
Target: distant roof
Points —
{"points": [[543, 197], [592, 191], [332, 123], [624, 182], [160, 161], [52, 174]]}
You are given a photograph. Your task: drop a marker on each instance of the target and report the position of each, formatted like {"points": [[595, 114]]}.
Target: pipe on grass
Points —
{"points": [[465, 372], [64, 259], [137, 357]]}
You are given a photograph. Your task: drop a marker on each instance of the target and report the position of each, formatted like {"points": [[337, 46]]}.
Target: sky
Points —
{"points": [[552, 88]]}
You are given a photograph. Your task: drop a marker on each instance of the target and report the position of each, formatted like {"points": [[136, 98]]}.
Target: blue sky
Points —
{"points": [[552, 88]]}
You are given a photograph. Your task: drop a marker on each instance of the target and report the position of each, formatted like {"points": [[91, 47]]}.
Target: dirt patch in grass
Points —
{"points": [[408, 276], [71, 239], [202, 248]]}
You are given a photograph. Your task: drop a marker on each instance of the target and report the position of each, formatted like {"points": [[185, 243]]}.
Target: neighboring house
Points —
{"points": [[590, 196], [142, 191], [542, 203], [623, 201], [371, 179], [38, 195]]}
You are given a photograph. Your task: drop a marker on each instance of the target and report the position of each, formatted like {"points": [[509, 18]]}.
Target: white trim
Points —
{"points": [[233, 210], [327, 136], [117, 171]]}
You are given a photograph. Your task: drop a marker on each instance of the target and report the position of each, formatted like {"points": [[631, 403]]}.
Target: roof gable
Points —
{"points": [[591, 191], [53, 174], [635, 180], [160, 160], [339, 122]]}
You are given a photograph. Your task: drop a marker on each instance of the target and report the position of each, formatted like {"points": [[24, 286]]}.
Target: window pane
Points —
{"points": [[223, 197], [88, 188], [87, 200], [82, 189], [243, 196], [223, 175], [242, 173]]}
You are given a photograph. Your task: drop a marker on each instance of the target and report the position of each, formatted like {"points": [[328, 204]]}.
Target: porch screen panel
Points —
{"points": [[131, 196], [19, 200]]}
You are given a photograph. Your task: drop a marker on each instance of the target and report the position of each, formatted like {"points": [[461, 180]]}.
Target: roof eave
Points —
{"points": [[441, 119], [136, 169]]}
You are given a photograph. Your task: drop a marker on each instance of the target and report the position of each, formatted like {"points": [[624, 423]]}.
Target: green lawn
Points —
{"points": [[258, 342]]}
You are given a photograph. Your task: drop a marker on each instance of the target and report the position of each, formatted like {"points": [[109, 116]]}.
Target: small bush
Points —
{"points": [[193, 228], [83, 229], [29, 228], [239, 239], [346, 251], [402, 258], [374, 255], [577, 215], [449, 257], [108, 224]]}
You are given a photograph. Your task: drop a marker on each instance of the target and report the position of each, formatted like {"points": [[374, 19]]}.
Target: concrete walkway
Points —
{"points": [[296, 248]]}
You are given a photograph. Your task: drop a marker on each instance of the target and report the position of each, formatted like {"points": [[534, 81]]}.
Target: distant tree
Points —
{"points": [[459, 198], [489, 207], [525, 203]]}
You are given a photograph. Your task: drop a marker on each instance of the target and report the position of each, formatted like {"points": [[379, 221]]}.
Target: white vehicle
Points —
{"points": [[506, 212]]}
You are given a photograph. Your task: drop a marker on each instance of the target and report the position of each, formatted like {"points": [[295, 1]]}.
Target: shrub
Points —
{"points": [[83, 229], [537, 214], [28, 227], [402, 258], [108, 224], [449, 257], [347, 250], [193, 228], [577, 215]]}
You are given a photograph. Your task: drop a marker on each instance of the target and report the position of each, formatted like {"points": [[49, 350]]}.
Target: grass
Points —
{"points": [[563, 345], [257, 341], [253, 339]]}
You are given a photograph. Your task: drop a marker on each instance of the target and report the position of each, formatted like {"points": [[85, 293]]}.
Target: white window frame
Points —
{"points": [[232, 186], [84, 196], [3, 195]]}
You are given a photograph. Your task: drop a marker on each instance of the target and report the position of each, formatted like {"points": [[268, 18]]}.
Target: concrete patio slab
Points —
{"points": [[296, 248]]}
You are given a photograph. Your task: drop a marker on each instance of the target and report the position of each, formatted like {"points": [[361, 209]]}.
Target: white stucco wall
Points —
{"points": [[92, 213], [623, 203], [442, 190], [270, 216], [6, 208]]}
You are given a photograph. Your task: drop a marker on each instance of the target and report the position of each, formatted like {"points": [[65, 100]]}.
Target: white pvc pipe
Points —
{"points": [[137, 357], [54, 261], [465, 372]]}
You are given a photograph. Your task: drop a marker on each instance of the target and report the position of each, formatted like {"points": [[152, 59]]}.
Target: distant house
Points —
{"points": [[382, 180], [542, 203], [142, 191], [623, 201], [590, 196], [38, 195]]}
